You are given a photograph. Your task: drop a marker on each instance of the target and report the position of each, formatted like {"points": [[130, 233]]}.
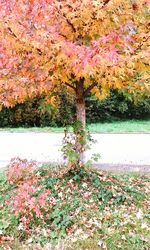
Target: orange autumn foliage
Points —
{"points": [[47, 43]]}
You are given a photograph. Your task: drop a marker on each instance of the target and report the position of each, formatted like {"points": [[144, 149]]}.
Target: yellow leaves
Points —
{"points": [[97, 3], [40, 31], [51, 100], [61, 58], [117, 83], [35, 44], [100, 92], [103, 82], [130, 64], [65, 43], [142, 67], [87, 82], [67, 30], [14, 29], [86, 14], [64, 77]]}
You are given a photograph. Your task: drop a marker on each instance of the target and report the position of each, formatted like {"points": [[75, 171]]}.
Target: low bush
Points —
{"points": [[20, 170]]}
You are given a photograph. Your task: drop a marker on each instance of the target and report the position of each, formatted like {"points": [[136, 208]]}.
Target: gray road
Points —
{"points": [[123, 150]]}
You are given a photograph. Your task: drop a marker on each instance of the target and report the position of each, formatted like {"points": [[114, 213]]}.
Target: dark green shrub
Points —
{"points": [[66, 112], [34, 113], [116, 107], [25, 115]]}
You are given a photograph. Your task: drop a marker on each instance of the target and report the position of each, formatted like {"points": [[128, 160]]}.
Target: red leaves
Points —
{"points": [[29, 199], [26, 203], [6, 238], [20, 170], [102, 49]]}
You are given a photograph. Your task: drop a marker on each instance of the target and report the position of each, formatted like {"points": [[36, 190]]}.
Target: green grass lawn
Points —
{"points": [[84, 210], [130, 126]]}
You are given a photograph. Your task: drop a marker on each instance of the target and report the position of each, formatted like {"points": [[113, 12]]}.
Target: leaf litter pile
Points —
{"points": [[47, 208]]}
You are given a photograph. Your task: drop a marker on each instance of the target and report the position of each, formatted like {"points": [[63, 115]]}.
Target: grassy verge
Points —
{"points": [[131, 126], [134, 126], [73, 210]]}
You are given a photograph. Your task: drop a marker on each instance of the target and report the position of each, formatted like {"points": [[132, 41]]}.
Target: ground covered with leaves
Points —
{"points": [[53, 208]]}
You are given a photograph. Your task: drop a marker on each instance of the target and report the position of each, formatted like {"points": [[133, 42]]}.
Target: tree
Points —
{"points": [[88, 45]]}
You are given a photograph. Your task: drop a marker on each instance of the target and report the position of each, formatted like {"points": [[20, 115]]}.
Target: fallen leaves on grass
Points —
{"points": [[94, 206]]}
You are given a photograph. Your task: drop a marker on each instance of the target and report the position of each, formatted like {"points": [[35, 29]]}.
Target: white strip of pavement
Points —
{"points": [[127, 149]]}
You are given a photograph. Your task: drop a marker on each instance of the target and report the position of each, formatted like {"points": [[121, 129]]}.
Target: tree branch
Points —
{"points": [[106, 2], [69, 85], [90, 88], [15, 36], [141, 44], [11, 32], [72, 26], [67, 20]]}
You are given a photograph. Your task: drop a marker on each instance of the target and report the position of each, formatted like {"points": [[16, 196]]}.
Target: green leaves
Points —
{"points": [[82, 205]]}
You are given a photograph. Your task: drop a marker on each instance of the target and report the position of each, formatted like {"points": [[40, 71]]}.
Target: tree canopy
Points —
{"points": [[102, 43]]}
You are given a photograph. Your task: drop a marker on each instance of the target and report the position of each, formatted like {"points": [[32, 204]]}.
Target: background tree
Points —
{"points": [[87, 45]]}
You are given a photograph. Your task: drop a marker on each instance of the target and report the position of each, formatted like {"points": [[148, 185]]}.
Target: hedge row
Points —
{"points": [[115, 106]]}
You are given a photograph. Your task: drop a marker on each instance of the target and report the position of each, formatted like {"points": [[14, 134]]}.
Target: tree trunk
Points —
{"points": [[81, 138], [81, 117], [80, 104]]}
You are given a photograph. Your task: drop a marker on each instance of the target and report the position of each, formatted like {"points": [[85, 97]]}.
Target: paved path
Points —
{"points": [[117, 150]]}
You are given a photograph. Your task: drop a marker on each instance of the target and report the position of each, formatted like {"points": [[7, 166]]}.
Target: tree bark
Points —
{"points": [[81, 118], [80, 127], [80, 103]]}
